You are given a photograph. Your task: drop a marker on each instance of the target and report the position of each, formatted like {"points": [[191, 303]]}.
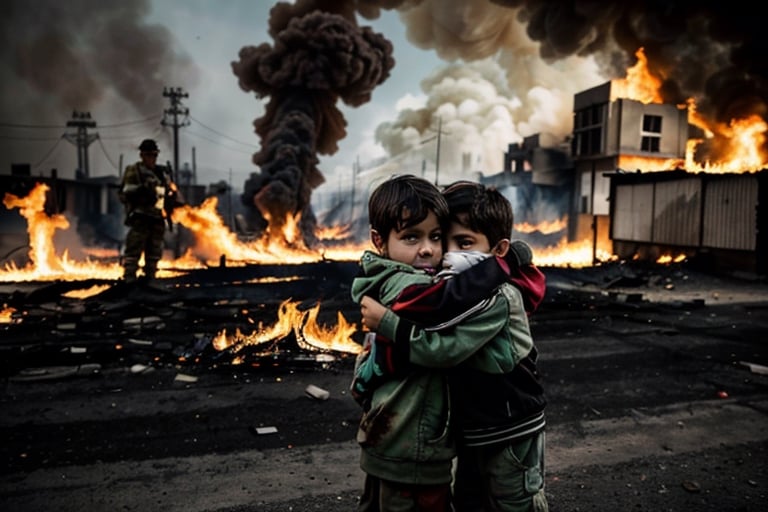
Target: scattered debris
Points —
{"points": [[183, 377], [317, 393], [55, 372], [691, 486], [260, 431], [755, 368], [141, 368], [140, 342]]}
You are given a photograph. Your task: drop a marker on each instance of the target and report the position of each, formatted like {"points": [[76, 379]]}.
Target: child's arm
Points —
{"points": [[443, 301], [447, 298]]}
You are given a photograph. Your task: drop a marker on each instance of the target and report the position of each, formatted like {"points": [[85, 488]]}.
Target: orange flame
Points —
{"points": [[545, 227], [303, 324], [213, 239], [6, 314], [640, 84], [666, 259], [570, 254], [40, 227], [740, 140]]}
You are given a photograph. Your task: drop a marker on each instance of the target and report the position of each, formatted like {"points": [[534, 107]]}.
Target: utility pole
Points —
{"points": [[175, 94], [437, 157], [355, 170], [82, 121]]}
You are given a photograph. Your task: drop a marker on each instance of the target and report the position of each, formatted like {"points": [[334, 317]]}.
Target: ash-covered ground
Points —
{"points": [[656, 380]]}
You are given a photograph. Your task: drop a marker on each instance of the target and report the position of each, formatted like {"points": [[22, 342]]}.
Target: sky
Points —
{"points": [[192, 44], [483, 74]]}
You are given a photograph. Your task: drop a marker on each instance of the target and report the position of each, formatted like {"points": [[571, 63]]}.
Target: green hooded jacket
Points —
{"points": [[405, 435]]}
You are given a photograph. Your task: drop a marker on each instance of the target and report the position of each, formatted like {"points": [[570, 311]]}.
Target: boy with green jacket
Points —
{"points": [[407, 446], [497, 398]]}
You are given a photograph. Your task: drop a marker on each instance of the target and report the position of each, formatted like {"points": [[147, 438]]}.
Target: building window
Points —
{"points": [[651, 134], [588, 131], [652, 124]]}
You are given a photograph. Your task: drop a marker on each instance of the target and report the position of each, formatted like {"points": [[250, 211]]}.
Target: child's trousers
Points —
{"points": [[385, 496], [508, 478]]}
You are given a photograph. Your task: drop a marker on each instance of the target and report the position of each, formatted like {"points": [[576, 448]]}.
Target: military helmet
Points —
{"points": [[148, 145]]}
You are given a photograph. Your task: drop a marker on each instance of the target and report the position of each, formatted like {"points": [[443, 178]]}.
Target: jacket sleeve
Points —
{"points": [[448, 297], [446, 348]]}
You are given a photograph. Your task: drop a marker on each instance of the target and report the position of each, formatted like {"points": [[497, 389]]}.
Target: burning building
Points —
{"points": [[630, 178]]}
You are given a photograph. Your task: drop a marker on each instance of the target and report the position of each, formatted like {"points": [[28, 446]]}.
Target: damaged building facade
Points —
{"points": [[601, 177]]}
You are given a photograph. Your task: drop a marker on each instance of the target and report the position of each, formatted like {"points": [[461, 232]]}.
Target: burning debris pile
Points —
{"points": [[205, 319], [226, 302]]}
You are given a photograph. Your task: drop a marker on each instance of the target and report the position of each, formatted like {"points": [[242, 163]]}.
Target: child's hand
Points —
{"points": [[374, 369], [371, 312]]}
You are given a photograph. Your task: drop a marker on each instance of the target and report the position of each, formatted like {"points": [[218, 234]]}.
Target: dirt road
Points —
{"points": [[653, 405]]}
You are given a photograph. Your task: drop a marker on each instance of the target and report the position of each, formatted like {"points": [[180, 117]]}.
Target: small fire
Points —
{"points": [[666, 259], [85, 293], [571, 254], [302, 324], [545, 227], [6, 314], [213, 238]]}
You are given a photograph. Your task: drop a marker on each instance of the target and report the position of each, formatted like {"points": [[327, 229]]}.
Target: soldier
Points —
{"points": [[144, 193]]}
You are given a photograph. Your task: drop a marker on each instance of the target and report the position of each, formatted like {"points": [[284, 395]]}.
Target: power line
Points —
{"points": [[104, 150], [128, 123], [38, 164], [46, 126], [199, 135], [249, 144], [14, 137]]}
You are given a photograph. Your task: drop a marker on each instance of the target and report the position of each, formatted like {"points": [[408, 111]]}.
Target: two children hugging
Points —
{"points": [[452, 371]]}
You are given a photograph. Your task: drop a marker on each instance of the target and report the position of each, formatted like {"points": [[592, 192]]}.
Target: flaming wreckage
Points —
{"points": [[260, 303], [205, 318]]}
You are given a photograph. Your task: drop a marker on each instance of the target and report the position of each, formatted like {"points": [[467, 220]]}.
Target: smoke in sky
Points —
{"points": [[319, 55], [710, 51], [63, 56]]}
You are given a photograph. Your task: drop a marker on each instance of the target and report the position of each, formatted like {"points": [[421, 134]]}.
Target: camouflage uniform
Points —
{"points": [[143, 192]]}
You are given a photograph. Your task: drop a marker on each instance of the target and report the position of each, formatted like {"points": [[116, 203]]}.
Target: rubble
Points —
{"points": [[173, 321]]}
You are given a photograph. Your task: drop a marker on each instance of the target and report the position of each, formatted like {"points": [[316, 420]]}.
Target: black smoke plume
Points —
{"points": [[319, 55], [711, 51]]}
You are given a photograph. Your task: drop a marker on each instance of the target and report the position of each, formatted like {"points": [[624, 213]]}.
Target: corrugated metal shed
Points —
{"points": [[704, 213], [730, 213], [633, 213], [676, 212]]}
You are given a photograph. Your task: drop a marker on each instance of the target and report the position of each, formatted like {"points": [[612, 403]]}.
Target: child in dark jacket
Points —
{"points": [[497, 399]]}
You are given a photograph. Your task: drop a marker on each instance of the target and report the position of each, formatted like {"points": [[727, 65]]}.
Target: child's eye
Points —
{"points": [[436, 237]]}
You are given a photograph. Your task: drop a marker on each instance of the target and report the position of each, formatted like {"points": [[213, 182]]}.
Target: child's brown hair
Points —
{"points": [[403, 201], [482, 209]]}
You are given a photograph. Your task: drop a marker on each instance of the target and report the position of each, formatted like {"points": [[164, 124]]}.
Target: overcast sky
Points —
{"points": [[113, 60], [486, 73], [210, 34]]}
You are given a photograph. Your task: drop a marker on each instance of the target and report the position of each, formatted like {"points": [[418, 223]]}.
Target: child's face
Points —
{"points": [[461, 238], [419, 245]]}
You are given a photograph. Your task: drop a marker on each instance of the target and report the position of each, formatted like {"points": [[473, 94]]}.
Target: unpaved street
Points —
{"points": [[653, 405]]}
